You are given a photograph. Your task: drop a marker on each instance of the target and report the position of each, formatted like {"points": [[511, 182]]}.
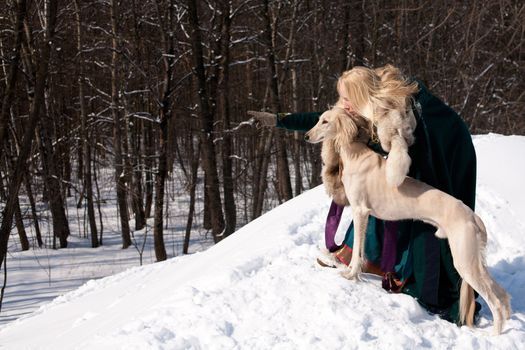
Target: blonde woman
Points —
{"points": [[384, 97], [426, 139]]}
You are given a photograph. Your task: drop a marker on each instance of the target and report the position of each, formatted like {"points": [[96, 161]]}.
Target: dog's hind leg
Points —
{"points": [[466, 246], [493, 294], [360, 224], [501, 294]]}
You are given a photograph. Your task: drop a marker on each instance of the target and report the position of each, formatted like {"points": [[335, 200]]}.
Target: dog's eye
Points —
{"points": [[324, 122]]}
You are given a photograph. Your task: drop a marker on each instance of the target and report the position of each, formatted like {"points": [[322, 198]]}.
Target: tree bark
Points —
{"points": [[48, 151], [193, 186], [52, 181], [34, 213], [206, 119], [263, 152], [149, 164], [230, 210], [297, 139], [24, 242], [36, 108], [86, 144], [137, 137], [137, 188], [206, 216], [3, 195], [120, 176], [165, 113], [12, 75], [99, 199], [283, 170]]}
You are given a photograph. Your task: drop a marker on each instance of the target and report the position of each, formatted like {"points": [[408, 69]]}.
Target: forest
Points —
{"points": [[156, 87]]}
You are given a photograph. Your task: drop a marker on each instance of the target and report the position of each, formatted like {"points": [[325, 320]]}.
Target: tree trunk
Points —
{"points": [[149, 164], [264, 153], [193, 186], [208, 147], [160, 182], [12, 75], [206, 216], [3, 195], [99, 199], [283, 170], [86, 144], [24, 242], [49, 151], [165, 113], [120, 176], [29, 192], [137, 195], [297, 139], [34, 114], [52, 181], [230, 210], [65, 157]]}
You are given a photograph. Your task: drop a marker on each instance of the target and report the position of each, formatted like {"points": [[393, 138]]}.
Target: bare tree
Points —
{"points": [[24, 242], [11, 78], [224, 42], [207, 119], [283, 171], [86, 143], [192, 187], [36, 109], [165, 113], [120, 175]]}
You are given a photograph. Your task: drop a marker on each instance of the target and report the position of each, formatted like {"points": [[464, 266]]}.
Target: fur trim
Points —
{"points": [[331, 173]]}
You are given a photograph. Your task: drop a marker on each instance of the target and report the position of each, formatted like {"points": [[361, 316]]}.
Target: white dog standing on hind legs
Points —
{"points": [[365, 185]]}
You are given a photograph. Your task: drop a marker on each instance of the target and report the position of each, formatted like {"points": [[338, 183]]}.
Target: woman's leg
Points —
{"points": [[328, 259], [389, 252], [388, 257], [332, 222]]}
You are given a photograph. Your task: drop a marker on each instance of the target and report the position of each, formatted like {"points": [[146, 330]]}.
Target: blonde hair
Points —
{"points": [[385, 88]]}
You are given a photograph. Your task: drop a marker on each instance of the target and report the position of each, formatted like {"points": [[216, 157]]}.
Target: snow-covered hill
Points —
{"points": [[260, 288]]}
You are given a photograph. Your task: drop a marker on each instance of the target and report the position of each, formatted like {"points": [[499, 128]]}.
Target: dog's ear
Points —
{"points": [[346, 129]]}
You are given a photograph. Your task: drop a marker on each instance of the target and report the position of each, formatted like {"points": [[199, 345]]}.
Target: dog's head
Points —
{"points": [[340, 126]]}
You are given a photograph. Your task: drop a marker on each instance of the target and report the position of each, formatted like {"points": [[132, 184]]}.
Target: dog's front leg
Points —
{"points": [[360, 224]]}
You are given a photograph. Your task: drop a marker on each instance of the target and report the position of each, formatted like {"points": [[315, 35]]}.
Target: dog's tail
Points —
{"points": [[467, 305], [398, 162]]}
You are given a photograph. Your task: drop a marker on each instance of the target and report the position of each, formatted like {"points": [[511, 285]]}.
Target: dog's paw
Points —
{"points": [[397, 167], [352, 274], [346, 273]]}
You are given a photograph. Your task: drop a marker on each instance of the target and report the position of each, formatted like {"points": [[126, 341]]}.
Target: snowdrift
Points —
{"points": [[261, 289]]}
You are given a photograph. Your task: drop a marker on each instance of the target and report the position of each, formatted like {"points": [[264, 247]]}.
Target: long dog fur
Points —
{"points": [[331, 173], [365, 184]]}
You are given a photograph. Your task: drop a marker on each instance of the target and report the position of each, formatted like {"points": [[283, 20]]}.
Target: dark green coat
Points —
{"points": [[442, 156]]}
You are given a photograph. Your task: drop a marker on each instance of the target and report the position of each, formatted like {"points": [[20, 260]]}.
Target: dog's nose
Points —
{"points": [[306, 137]]}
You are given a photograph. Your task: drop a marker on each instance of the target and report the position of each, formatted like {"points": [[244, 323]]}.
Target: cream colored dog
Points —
{"points": [[363, 177]]}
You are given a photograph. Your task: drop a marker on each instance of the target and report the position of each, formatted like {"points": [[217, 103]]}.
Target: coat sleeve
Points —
{"points": [[297, 121]]}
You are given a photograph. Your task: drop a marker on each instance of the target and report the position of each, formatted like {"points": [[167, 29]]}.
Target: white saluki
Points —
{"points": [[363, 177]]}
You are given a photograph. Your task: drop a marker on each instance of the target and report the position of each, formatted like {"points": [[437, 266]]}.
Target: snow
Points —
{"points": [[261, 289]]}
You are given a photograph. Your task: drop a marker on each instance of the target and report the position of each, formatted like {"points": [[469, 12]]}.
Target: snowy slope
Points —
{"points": [[261, 289]]}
